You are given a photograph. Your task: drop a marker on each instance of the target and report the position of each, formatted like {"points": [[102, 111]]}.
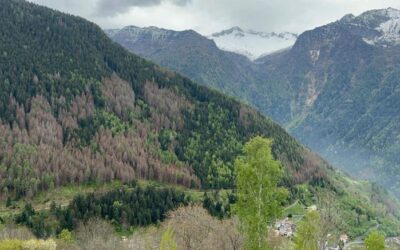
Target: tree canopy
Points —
{"points": [[308, 232], [259, 199], [375, 241]]}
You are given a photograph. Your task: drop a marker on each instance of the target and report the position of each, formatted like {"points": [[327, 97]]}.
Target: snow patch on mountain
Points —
{"points": [[252, 44], [384, 22], [390, 31]]}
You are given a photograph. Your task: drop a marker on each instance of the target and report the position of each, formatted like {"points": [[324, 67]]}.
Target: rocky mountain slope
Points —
{"points": [[343, 82]]}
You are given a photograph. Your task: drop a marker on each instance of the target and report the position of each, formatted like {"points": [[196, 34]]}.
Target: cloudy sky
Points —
{"points": [[207, 16]]}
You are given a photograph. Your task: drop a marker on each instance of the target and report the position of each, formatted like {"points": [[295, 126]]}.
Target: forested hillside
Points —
{"points": [[79, 110]]}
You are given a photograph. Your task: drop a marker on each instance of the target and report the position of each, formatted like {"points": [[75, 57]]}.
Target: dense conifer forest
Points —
{"points": [[124, 208]]}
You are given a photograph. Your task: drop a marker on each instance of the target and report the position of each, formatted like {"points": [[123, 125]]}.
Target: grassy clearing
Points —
{"points": [[295, 210], [64, 195], [61, 195]]}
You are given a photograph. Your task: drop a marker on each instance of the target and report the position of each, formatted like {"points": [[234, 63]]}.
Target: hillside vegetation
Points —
{"points": [[77, 109]]}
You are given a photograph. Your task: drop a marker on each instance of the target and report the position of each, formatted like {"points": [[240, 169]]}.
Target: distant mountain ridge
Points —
{"points": [[252, 44], [193, 55], [155, 38], [249, 43]]}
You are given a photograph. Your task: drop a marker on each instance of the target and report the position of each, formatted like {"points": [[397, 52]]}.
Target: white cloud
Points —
{"points": [[207, 16]]}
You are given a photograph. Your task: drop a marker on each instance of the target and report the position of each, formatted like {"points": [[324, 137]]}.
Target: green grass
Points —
{"points": [[296, 209]]}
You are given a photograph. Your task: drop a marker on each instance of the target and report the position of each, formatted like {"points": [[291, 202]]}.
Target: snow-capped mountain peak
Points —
{"points": [[383, 24], [252, 44]]}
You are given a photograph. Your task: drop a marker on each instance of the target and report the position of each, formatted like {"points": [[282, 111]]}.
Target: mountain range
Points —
{"points": [[335, 89], [193, 55]]}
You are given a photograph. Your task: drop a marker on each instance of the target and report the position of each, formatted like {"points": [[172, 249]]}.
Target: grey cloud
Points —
{"points": [[114, 7], [181, 2], [208, 16]]}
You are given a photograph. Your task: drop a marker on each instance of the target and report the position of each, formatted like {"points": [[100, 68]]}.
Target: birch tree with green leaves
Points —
{"points": [[259, 197], [308, 235]]}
